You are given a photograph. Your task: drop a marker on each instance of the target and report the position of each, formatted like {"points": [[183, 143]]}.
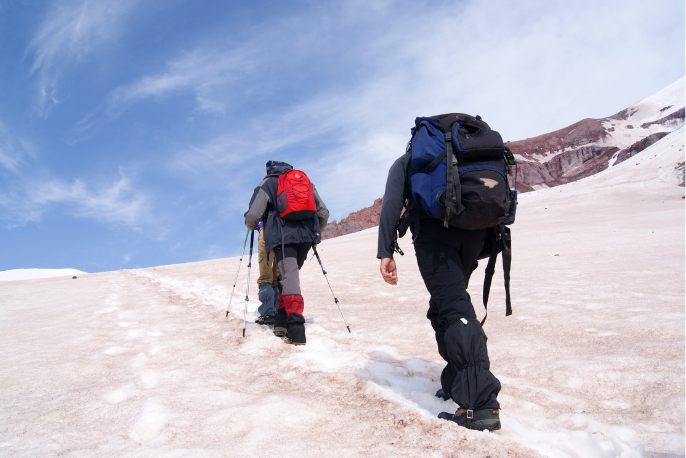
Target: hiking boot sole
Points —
{"points": [[289, 341], [490, 424], [483, 425]]}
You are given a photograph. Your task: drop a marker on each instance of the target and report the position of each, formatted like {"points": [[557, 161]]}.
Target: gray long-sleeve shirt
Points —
{"points": [[263, 208], [397, 190]]}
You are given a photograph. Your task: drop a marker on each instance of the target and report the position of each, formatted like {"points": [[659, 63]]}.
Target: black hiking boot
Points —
{"points": [[287, 339], [266, 320], [480, 420], [442, 394], [296, 329], [280, 323]]}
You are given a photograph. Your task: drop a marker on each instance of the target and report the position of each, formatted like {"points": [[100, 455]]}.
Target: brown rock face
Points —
{"points": [[562, 168], [639, 146], [562, 156], [578, 134], [578, 151], [676, 118], [355, 222]]}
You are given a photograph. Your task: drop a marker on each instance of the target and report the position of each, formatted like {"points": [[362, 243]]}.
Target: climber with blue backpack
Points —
{"points": [[293, 217], [453, 185]]}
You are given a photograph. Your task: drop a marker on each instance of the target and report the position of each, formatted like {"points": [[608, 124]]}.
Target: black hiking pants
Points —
{"points": [[446, 258]]}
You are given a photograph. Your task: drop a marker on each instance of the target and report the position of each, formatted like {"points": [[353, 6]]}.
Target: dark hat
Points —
{"points": [[278, 168]]}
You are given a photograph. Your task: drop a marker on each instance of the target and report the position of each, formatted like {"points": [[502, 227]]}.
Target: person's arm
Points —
{"points": [[322, 211], [258, 205], [394, 198]]}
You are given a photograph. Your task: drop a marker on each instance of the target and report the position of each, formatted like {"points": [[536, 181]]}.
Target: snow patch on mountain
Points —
{"points": [[29, 274], [656, 113], [592, 145]]}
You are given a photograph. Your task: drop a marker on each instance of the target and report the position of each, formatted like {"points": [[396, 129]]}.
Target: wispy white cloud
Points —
{"points": [[527, 67], [16, 210], [13, 150], [198, 71], [115, 203], [332, 87], [258, 139], [72, 30]]}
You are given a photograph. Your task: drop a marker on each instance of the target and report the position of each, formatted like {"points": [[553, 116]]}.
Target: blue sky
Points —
{"points": [[133, 132]]}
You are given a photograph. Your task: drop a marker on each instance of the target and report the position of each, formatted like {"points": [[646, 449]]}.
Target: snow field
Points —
{"points": [[628, 131], [145, 363], [27, 274]]}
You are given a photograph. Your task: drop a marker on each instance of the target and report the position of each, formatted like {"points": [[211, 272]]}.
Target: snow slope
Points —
{"points": [[27, 274], [144, 362], [625, 132]]}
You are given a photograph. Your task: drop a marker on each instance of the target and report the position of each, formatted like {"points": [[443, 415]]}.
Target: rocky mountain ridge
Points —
{"points": [[591, 145], [355, 222], [569, 154]]}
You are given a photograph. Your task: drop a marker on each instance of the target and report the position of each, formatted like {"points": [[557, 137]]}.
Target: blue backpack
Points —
{"points": [[462, 171]]}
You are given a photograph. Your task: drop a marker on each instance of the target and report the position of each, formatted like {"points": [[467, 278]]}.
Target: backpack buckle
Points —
{"points": [[470, 414], [395, 247]]}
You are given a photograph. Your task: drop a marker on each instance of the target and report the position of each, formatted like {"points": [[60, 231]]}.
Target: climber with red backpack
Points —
{"points": [[293, 218]]}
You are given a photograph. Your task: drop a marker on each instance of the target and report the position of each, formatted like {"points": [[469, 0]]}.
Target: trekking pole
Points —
{"points": [[327, 281], [239, 269], [247, 288]]}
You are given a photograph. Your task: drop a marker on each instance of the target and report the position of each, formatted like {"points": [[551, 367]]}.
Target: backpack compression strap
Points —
{"points": [[507, 263], [453, 190], [503, 245]]}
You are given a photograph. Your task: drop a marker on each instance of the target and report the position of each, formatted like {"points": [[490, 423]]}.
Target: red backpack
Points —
{"points": [[295, 196]]}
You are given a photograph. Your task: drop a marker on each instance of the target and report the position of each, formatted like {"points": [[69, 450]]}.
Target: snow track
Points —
{"points": [[145, 362]]}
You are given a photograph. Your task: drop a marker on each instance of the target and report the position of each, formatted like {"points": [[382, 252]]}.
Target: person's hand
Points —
{"points": [[389, 271]]}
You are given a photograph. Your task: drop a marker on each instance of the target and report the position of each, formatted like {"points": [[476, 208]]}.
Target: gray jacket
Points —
{"points": [[397, 192], [263, 208]]}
